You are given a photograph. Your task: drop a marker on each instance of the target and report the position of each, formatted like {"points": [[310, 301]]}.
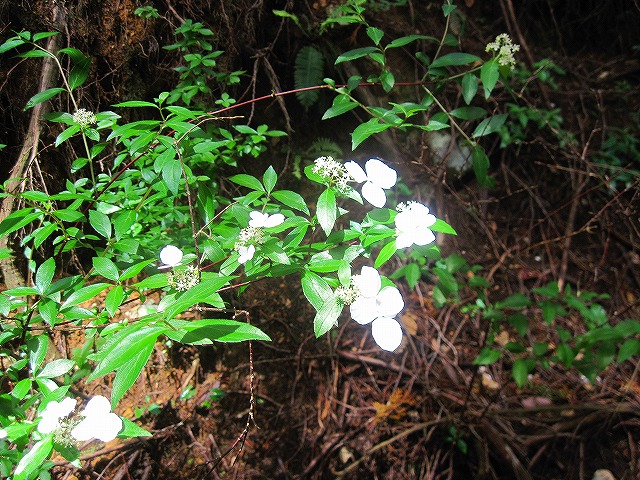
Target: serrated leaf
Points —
{"points": [[326, 210], [269, 179], [122, 223], [45, 274], [43, 97], [105, 267], [248, 181], [37, 347], [84, 294], [315, 289], [203, 332], [100, 223], [291, 199], [114, 300], [56, 368], [327, 316], [172, 174], [354, 54], [365, 130], [341, 104], [129, 372]]}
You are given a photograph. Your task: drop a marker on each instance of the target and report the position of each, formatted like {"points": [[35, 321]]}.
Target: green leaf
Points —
{"points": [[365, 130], [204, 292], [135, 103], [84, 294], [11, 43], [520, 371], [129, 372], [45, 274], [32, 461], [131, 430], [204, 332], [134, 270], [291, 199], [454, 59], [487, 356], [468, 113], [128, 345], [248, 181], [66, 134], [315, 289], [68, 215], [171, 174], [105, 267], [17, 220], [43, 97], [489, 125], [42, 35], [387, 80], [100, 223], [37, 347], [56, 368], [269, 179], [308, 72], [122, 223], [402, 41], [79, 73], [605, 355], [385, 254], [628, 349], [114, 300], [480, 165], [326, 210], [517, 301], [327, 316], [489, 74], [375, 34], [443, 227], [341, 104], [469, 87], [35, 54], [520, 322], [354, 54]]}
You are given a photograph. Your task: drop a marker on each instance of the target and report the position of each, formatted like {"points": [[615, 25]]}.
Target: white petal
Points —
{"points": [[107, 427], [356, 171], [170, 255], [368, 282], [98, 405], [405, 221], [246, 253], [403, 240], [84, 430], [3, 434], [389, 301], [387, 333], [423, 236], [380, 174], [427, 220], [258, 219], [274, 220], [48, 424], [364, 310], [374, 194]]}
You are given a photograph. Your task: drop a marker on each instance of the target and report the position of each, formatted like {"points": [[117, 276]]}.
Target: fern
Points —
{"points": [[309, 72], [324, 146]]}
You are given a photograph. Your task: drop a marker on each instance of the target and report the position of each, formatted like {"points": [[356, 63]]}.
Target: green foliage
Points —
{"points": [[309, 71]]}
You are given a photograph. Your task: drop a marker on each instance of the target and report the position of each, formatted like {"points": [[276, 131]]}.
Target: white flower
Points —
{"points": [[503, 49], [246, 253], [3, 434], [264, 220], [412, 225], [374, 302], [170, 256], [98, 421], [387, 333], [53, 412], [378, 178], [84, 117]]}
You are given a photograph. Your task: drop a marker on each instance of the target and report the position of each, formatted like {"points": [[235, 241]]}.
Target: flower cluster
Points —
{"points": [[84, 118], [254, 235], [333, 173], [95, 421], [378, 305], [183, 279], [412, 225], [347, 294], [377, 178], [503, 49]]}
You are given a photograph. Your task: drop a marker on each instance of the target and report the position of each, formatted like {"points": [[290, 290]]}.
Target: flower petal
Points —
{"points": [[84, 430], [107, 427], [364, 310], [98, 405], [356, 171], [423, 236], [274, 220], [380, 174], [404, 239], [246, 253], [170, 255], [258, 219], [374, 194], [368, 282], [387, 333], [389, 302]]}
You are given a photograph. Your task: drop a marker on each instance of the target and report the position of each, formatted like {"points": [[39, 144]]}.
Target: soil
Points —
{"points": [[337, 407]]}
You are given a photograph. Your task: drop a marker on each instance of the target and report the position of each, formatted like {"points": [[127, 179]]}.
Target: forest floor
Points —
{"points": [[337, 407]]}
